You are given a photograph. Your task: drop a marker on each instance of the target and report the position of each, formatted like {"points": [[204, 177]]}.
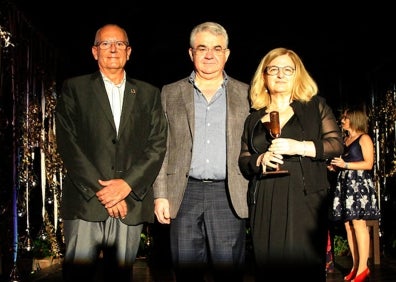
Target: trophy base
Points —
{"points": [[275, 172]]}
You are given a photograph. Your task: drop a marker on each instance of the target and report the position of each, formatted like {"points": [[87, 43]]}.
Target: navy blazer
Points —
{"points": [[90, 148]]}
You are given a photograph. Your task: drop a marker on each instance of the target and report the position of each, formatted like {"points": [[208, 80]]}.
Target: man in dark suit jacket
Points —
{"points": [[112, 154], [200, 190]]}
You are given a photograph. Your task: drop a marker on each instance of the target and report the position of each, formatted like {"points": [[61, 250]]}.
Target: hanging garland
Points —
{"points": [[39, 135], [384, 116], [28, 85]]}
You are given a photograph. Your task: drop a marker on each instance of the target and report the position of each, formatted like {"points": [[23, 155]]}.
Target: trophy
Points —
{"points": [[275, 132]]}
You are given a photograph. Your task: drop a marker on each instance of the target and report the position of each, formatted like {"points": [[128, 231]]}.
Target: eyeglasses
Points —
{"points": [[274, 70], [201, 50], [103, 45]]}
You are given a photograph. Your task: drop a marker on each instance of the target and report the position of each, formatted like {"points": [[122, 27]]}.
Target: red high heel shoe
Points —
{"points": [[363, 276], [351, 275]]}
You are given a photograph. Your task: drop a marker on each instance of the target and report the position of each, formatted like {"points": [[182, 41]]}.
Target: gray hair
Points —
{"points": [[211, 27]]}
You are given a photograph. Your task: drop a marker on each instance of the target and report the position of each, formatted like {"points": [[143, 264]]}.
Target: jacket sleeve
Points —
{"points": [[330, 145]]}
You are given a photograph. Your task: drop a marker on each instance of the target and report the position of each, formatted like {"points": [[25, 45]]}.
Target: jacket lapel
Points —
{"points": [[187, 91], [101, 95], [128, 103]]}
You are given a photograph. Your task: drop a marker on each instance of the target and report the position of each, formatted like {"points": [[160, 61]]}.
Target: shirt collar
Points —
{"points": [[107, 80], [191, 78]]}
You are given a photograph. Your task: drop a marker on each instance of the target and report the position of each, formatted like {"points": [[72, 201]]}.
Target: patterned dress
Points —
{"points": [[355, 196]]}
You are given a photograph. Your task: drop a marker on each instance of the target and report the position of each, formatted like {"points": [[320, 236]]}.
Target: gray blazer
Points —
{"points": [[178, 104], [90, 149]]}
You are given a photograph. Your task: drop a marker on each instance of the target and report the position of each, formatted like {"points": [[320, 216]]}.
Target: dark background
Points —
{"points": [[348, 49]]}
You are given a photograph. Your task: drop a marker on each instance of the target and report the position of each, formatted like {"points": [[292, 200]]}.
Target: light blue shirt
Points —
{"points": [[209, 144]]}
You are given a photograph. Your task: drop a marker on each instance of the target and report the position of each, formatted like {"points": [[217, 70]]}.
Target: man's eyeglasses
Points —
{"points": [[201, 50], [103, 45], [274, 70]]}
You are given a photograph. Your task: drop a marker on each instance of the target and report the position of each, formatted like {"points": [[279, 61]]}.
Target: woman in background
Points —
{"points": [[355, 197]]}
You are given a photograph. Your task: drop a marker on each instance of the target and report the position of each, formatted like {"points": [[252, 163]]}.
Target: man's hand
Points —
{"points": [[119, 210], [161, 210], [113, 191]]}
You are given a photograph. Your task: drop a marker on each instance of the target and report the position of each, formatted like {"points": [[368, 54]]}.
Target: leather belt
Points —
{"points": [[192, 179]]}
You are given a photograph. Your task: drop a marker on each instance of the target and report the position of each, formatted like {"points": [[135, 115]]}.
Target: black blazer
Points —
{"points": [[90, 148], [319, 126]]}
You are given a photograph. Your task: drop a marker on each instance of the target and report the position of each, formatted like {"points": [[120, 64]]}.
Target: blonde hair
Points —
{"points": [[304, 87]]}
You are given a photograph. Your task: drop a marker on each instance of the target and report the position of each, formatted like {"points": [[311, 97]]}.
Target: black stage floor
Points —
{"points": [[145, 272]]}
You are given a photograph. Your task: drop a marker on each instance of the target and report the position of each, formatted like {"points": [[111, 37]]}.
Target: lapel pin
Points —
{"points": [[133, 91]]}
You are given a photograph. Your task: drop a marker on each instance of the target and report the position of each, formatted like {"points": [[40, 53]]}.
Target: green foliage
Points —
{"points": [[341, 247], [42, 248], [145, 243]]}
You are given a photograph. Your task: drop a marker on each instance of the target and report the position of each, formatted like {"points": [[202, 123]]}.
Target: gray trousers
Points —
{"points": [[86, 241]]}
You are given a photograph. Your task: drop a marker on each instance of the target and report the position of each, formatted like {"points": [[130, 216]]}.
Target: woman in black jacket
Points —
{"points": [[288, 212]]}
